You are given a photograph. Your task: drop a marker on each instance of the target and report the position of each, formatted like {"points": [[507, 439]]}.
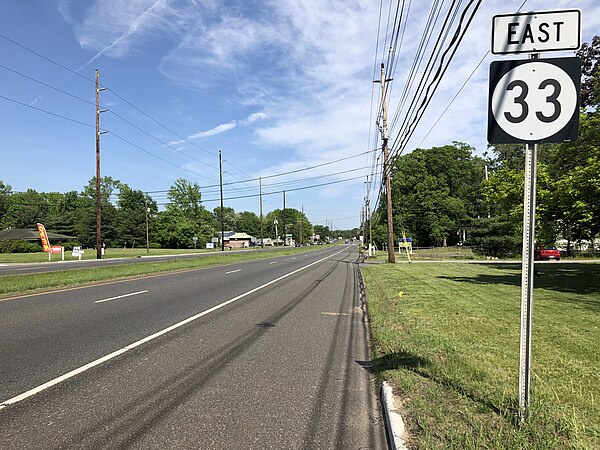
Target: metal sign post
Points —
{"points": [[533, 101], [527, 272]]}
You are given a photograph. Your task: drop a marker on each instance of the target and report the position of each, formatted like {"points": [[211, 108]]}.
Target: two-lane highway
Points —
{"points": [[264, 354]]}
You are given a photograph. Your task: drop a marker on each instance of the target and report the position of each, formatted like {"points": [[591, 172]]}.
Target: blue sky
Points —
{"points": [[277, 86]]}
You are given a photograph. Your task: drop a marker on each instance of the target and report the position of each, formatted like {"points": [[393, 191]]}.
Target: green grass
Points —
{"points": [[430, 254], [449, 344], [18, 284], [91, 254]]}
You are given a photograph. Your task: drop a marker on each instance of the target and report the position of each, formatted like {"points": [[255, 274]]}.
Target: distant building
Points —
{"points": [[232, 239], [24, 234]]}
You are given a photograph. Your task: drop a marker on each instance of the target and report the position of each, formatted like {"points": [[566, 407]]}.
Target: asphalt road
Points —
{"points": [[263, 354], [68, 264]]}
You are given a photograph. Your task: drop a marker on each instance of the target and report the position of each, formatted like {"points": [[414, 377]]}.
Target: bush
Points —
{"points": [[19, 247], [69, 245]]}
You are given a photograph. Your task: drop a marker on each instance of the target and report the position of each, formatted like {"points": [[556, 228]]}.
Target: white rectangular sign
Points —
{"points": [[536, 32]]}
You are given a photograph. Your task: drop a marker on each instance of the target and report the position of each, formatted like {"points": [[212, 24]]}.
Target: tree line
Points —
{"points": [[439, 191], [124, 219]]}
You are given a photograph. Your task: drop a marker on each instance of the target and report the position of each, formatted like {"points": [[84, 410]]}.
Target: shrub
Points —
{"points": [[19, 247]]}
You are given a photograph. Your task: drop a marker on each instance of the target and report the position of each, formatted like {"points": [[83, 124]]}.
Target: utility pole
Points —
{"points": [[147, 234], [302, 226], [386, 166], [262, 237], [221, 189], [368, 217], [284, 227], [98, 199]]}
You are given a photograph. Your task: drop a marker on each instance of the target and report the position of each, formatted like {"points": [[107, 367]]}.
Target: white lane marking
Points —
{"points": [[294, 257], [116, 353], [233, 271], [273, 262], [31, 268], [120, 296]]}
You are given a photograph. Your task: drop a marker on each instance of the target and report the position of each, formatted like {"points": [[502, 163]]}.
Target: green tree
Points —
{"points": [[85, 223], [249, 222], [131, 218], [175, 230], [590, 73], [292, 221], [322, 231], [230, 218], [25, 209], [185, 196], [5, 192], [435, 191]]}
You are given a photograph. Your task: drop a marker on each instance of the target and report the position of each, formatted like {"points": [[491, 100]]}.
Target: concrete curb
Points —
{"points": [[394, 425]]}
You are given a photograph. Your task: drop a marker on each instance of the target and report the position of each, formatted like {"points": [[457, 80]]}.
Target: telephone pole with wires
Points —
{"points": [[221, 190], [98, 193], [262, 237], [382, 123]]}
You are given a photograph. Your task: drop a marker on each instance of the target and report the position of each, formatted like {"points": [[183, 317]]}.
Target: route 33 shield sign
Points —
{"points": [[534, 100]]}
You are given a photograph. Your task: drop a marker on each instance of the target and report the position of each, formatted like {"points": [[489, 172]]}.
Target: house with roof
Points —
{"points": [[233, 239], [24, 234]]}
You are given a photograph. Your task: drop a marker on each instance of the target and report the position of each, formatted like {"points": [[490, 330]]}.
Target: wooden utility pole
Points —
{"points": [[302, 226], [284, 227], [147, 229], [221, 189], [367, 207], [98, 193], [262, 237], [386, 167]]}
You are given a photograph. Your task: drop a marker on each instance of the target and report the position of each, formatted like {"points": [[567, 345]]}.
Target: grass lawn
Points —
{"points": [[17, 284], [429, 254], [446, 335], [91, 254]]}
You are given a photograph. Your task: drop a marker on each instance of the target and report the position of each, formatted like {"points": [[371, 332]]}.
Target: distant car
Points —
{"points": [[546, 253]]}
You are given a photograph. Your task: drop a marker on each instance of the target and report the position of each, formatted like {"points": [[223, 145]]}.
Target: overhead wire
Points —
{"points": [[435, 82]]}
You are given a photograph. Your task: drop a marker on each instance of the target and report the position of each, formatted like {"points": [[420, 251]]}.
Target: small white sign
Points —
{"points": [[210, 245], [536, 32]]}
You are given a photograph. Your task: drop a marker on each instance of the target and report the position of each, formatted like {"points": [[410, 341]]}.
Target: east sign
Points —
{"points": [[536, 32]]}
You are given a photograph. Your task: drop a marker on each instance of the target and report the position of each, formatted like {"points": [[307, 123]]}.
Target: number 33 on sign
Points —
{"points": [[534, 100]]}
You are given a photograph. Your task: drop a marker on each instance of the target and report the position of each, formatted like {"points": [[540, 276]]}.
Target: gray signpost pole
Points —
{"points": [[527, 274]]}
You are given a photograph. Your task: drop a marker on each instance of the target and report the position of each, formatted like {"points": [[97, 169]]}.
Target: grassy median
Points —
{"points": [[19, 284], [446, 335]]}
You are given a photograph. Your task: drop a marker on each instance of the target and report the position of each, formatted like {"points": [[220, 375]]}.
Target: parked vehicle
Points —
{"points": [[546, 253]]}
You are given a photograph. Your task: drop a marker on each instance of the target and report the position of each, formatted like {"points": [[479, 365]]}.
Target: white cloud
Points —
{"points": [[214, 131], [255, 117], [112, 27]]}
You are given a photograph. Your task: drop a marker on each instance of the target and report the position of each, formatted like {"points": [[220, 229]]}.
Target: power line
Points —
{"points": [[46, 111], [45, 58], [47, 85]]}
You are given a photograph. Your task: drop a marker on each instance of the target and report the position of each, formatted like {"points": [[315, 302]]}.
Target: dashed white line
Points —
{"points": [[233, 271], [120, 296], [273, 262], [116, 353]]}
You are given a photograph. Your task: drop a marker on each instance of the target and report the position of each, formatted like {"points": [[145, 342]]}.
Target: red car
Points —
{"points": [[546, 253]]}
